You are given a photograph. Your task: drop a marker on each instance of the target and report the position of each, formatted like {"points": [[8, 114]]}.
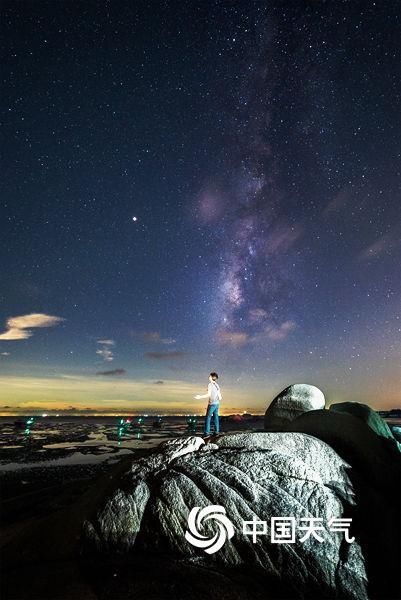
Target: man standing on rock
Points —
{"points": [[214, 395]]}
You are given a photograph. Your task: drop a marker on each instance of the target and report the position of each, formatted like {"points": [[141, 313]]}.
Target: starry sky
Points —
{"points": [[199, 186]]}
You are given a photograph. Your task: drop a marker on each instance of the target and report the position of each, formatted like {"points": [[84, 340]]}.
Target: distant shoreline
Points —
{"points": [[123, 415], [394, 413]]}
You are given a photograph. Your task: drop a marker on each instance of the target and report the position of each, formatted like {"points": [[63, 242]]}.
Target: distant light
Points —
{"points": [[44, 415], [134, 218]]}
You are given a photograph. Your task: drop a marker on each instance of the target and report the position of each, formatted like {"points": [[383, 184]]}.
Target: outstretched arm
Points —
{"points": [[199, 397]]}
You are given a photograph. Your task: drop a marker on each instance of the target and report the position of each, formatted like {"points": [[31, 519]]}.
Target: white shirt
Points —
{"points": [[213, 390]]}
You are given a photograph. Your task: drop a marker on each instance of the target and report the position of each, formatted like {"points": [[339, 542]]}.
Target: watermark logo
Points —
{"points": [[195, 522], [281, 529]]}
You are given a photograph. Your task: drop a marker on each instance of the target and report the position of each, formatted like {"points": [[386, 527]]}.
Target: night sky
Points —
{"points": [[199, 186]]}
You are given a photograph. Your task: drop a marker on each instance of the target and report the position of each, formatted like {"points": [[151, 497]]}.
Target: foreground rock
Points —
{"points": [[375, 474], [292, 402], [252, 476]]}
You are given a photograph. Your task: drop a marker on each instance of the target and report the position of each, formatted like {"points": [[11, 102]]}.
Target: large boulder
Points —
{"points": [[144, 521], [292, 402], [375, 474]]}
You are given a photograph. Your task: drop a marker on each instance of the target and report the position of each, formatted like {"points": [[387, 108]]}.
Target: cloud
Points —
{"points": [[151, 336], [164, 355], [155, 337], [257, 315], [112, 373], [15, 334], [18, 328], [280, 332], [338, 202], [232, 338], [168, 341], [33, 320], [105, 351], [282, 238], [377, 249], [5, 353], [159, 382], [106, 354]]}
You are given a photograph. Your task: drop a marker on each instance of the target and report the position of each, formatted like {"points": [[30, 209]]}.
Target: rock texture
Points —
{"points": [[292, 402], [251, 475]]}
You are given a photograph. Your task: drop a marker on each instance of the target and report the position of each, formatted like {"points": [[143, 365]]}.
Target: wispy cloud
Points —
{"points": [[164, 355], [5, 353], [106, 354], [338, 202], [18, 328], [377, 248], [257, 315], [168, 341], [235, 339], [272, 331], [282, 238], [155, 337], [105, 351], [112, 373], [151, 336], [279, 332], [15, 334]]}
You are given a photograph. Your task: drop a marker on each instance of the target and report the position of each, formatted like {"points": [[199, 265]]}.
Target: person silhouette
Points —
{"points": [[214, 396]]}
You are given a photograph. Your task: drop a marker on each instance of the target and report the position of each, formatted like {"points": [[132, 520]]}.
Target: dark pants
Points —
{"points": [[212, 409]]}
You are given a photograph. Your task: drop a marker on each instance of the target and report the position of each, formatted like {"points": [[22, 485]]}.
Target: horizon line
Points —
{"points": [[143, 414]]}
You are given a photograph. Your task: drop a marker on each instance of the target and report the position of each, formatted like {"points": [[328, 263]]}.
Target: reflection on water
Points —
{"points": [[76, 458], [34, 442], [192, 424]]}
